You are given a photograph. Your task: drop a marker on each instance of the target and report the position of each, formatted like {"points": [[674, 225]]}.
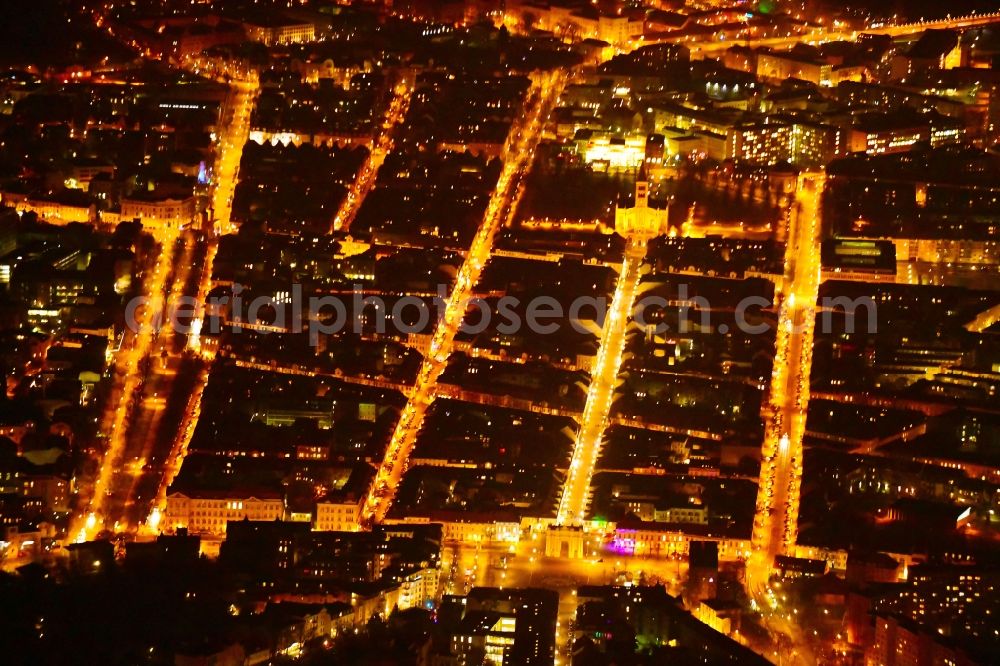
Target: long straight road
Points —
{"points": [[524, 137], [134, 462], [158, 409], [381, 147], [775, 522], [232, 138], [576, 491], [713, 46], [129, 378]]}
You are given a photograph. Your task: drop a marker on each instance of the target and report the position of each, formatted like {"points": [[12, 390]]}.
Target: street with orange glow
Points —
{"points": [[381, 146], [576, 491], [91, 519], [133, 471], [134, 479], [232, 137], [220, 218], [712, 47], [776, 520], [519, 152]]}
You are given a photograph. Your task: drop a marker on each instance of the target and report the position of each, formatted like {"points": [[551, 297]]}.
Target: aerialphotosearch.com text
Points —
{"points": [[359, 312]]}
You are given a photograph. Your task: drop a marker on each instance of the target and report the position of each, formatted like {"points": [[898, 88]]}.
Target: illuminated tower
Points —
{"points": [[641, 220]]}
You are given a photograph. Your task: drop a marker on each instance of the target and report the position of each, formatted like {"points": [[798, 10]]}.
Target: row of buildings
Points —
{"points": [[156, 213]]}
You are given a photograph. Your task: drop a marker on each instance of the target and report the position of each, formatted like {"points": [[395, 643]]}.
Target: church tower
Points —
{"points": [[641, 219]]}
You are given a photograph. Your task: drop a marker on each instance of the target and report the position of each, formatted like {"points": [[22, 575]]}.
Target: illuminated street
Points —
{"points": [[300, 363], [126, 484], [151, 423], [128, 366], [519, 154], [243, 98], [836, 32], [586, 449], [232, 136], [381, 146], [776, 520]]}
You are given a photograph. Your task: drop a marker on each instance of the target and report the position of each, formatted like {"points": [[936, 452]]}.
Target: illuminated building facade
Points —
{"points": [[641, 219], [761, 143], [578, 24], [884, 141], [780, 66], [208, 513], [84, 171], [329, 69], [717, 614], [815, 144], [502, 626], [898, 134], [607, 152], [159, 213], [484, 637], [694, 515], [337, 516], [936, 49], [277, 32], [53, 490], [940, 617], [652, 539], [859, 256], [778, 140], [856, 93], [54, 211]]}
